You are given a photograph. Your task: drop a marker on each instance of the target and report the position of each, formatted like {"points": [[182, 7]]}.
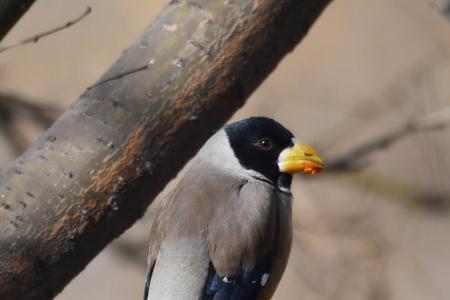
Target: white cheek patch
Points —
{"points": [[219, 147]]}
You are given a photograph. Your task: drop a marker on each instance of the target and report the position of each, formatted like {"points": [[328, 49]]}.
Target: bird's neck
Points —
{"points": [[284, 182]]}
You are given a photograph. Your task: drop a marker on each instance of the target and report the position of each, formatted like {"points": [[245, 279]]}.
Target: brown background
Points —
{"points": [[365, 68]]}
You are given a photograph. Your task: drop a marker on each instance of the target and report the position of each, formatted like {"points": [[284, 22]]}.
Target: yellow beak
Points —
{"points": [[300, 158]]}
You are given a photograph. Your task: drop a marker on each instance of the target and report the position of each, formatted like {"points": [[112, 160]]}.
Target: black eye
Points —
{"points": [[265, 144]]}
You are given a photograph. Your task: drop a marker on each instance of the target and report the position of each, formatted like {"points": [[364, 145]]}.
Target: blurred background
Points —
{"points": [[371, 75]]}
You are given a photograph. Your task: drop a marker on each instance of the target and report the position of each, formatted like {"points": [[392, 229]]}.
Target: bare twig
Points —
{"points": [[37, 37], [118, 76], [357, 158], [424, 200], [12, 108], [16, 141], [42, 114]]}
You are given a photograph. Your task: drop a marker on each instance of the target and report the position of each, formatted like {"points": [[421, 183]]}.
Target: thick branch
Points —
{"points": [[94, 172], [10, 12]]}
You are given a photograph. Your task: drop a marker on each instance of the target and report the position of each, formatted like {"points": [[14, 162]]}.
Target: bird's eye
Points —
{"points": [[265, 144]]}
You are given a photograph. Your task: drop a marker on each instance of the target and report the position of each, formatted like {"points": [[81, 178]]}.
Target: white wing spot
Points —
{"points": [[226, 280], [264, 279]]}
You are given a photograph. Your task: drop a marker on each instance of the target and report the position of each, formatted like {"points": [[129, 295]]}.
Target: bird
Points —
{"points": [[224, 232]]}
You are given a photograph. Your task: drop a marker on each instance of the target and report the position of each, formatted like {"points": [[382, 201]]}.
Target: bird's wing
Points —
{"points": [[179, 271], [244, 247], [244, 286], [211, 248], [178, 252], [147, 282]]}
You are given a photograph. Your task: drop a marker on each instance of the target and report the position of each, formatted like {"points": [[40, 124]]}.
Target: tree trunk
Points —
{"points": [[94, 172], [10, 13]]}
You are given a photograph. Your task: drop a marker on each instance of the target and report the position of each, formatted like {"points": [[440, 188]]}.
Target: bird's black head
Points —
{"points": [[257, 143]]}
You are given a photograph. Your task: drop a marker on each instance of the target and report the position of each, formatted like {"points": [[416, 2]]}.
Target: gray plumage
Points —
{"points": [[221, 222]]}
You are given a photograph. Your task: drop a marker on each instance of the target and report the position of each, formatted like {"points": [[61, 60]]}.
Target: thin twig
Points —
{"points": [[37, 37], [357, 158], [118, 76], [13, 107]]}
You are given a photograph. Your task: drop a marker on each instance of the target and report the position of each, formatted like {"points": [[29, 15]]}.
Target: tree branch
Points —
{"points": [[35, 38], [10, 12], [13, 107], [358, 157], [94, 172]]}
